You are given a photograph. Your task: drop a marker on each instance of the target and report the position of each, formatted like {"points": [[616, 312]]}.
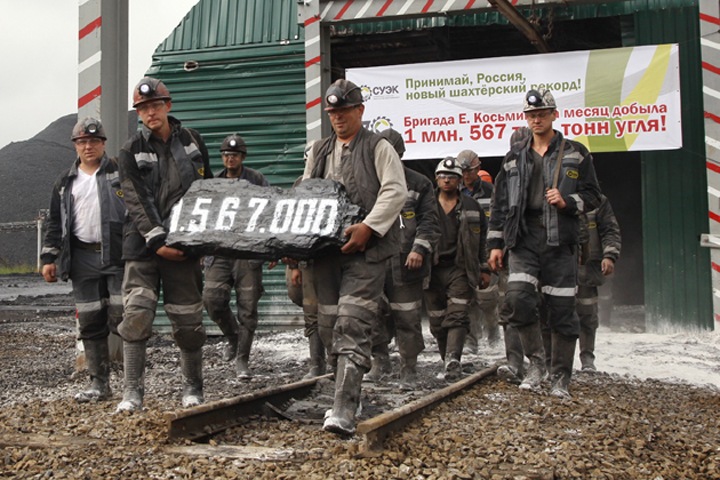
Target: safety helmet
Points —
{"points": [[485, 176], [88, 127], [149, 89], [395, 140], [341, 94], [467, 158], [449, 165], [233, 143], [539, 100]]}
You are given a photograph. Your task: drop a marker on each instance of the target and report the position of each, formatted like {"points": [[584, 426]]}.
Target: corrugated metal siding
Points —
{"points": [[677, 270]]}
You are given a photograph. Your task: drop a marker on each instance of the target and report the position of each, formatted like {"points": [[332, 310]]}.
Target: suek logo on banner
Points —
{"points": [[385, 91]]}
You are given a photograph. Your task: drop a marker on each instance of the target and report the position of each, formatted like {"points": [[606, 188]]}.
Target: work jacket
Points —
{"points": [[604, 241], [471, 255], [149, 195], [419, 227], [577, 183], [59, 224]]}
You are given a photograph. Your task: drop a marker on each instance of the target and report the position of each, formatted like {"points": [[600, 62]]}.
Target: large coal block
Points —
{"points": [[234, 218]]}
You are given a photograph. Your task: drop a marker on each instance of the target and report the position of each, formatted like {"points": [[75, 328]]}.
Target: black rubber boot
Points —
{"points": [[408, 372], [381, 365], [317, 356], [191, 367], [587, 350], [513, 371], [97, 356], [231, 347], [243, 355], [563, 353], [134, 366], [348, 382], [455, 342], [532, 344]]}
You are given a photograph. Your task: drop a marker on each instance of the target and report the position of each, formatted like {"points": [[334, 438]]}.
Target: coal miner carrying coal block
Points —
{"points": [[222, 274], [349, 281], [84, 237], [157, 166]]}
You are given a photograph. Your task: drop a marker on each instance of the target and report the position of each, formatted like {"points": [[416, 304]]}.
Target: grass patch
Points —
{"points": [[17, 269]]}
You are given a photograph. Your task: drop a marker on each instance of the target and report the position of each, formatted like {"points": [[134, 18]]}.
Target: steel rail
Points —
{"points": [[377, 429], [200, 422]]}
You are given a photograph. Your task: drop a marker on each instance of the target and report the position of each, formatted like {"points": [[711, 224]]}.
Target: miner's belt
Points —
{"points": [[95, 247]]}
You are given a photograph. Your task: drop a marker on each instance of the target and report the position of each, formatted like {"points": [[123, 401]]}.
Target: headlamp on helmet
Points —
{"points": [[233, 143], [342, 94], [449, 165], [88, 127], [539, 100], [149, 89]]}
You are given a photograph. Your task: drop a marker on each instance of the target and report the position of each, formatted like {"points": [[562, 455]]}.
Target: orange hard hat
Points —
{"points": [[485, 176]]}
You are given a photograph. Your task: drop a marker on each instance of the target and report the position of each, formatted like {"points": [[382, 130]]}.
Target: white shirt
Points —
{"points": [[86, 208]]}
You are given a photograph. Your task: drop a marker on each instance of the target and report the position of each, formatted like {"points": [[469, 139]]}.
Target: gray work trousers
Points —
{"points": [[182, 300], [447, 299], [531, 263], [348, 289], [405, 314], [222, 274], [97, 291]]}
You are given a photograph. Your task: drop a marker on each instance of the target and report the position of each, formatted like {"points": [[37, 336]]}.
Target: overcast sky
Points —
{"points": [[39, 45]]}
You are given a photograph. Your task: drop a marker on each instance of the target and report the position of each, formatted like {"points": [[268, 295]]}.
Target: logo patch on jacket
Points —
{"points": [[408, 215], [573, 174], [201, 171], [476, 230], [119, 193]]}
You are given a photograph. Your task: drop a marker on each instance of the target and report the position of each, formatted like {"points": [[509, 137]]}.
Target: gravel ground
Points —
{"points": [[614, 427]]}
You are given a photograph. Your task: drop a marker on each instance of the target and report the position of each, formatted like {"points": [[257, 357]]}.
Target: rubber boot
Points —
{"points": [[191, 367], [475, 331], [547, 345], [97, 356], [134, 367], [348, 380], [408, 371], [532, 344], [442, 343], [317, 356], [243, 355], [513, 371], [455, 342], [563, 353], [587, 350], [381, 365], [231, 347], [491, 327]]}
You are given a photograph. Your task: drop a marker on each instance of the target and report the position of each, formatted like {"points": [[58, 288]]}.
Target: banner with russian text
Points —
{"points": [[612, 100]]}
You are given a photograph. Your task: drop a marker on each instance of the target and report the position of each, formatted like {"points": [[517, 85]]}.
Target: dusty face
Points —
{"points": [[154, 115], [447, 182], [233, 163], [346, 121], [89, 149], [540, 121], [470, 174]]}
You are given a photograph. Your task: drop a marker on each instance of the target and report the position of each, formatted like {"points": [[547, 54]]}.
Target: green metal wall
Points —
{"points": [[678, 292]]}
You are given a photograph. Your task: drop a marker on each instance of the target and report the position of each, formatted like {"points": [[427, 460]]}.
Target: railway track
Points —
{"points": [[202, 422]]}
